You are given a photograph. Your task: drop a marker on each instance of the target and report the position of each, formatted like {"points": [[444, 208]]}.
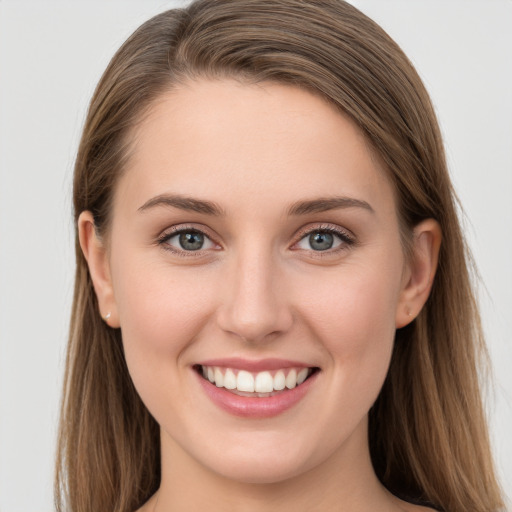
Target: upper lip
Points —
{"points": [[254, 365]]}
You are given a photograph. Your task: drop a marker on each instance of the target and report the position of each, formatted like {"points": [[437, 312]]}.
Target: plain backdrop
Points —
{"points": [[51, 56]]}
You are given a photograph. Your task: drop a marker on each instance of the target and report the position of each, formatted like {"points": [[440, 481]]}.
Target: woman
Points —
{"points": [[272, 307]]}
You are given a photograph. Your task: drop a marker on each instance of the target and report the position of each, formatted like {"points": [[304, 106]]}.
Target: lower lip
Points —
{"points": [[249, 407]]}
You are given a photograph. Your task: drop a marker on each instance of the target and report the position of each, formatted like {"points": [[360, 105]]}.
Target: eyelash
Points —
{"points": [[164, 238], [347, 240]]}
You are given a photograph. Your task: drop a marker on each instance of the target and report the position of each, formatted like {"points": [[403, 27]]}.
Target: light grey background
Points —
{"points": [[51, 56]]}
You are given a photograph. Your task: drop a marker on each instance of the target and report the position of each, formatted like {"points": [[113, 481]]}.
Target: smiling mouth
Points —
{"points": [[255, 384]]}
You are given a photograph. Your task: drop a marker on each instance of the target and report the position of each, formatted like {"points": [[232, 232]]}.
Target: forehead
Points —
{"points": [[224, 140]]}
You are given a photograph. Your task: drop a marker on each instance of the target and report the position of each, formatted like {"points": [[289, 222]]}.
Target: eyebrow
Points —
{"points": [[326, 204], [183, 203], [210, 208]]}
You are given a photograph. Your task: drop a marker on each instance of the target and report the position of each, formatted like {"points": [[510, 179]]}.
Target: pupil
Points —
{"points": [[191, 241], [321, 241]]}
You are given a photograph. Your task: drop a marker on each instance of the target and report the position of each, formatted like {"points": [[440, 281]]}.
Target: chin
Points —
{"points": [[266, 470], [261, 463]]}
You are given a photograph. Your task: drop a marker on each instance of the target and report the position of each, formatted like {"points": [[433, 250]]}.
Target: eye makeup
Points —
{"points": [[188, 240]]}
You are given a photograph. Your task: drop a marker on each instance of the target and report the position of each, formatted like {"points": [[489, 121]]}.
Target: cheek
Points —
{"points": [[157, 302], [353, 317], [161, 310]]}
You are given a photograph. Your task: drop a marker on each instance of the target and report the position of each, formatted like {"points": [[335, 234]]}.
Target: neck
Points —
{"points": [[346, 477]]}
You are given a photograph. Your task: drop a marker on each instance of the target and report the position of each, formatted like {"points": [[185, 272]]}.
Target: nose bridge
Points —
{"points": [[254, 304]]}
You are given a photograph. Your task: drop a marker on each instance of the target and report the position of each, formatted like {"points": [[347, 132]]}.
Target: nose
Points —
{"points": [[254, 300]]}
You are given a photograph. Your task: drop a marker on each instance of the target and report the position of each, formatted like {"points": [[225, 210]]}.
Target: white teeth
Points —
{"points": [[261, 384], [229, 379], [264, 383], [291, 379], [219, 378], [301, 376], [245, 381], [279, 381]]}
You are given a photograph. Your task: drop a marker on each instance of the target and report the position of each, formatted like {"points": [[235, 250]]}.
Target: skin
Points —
{"points": [[258, 290]]}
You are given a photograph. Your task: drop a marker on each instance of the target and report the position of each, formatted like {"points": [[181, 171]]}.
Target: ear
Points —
{"points": [[419, 271], [96, 255]]}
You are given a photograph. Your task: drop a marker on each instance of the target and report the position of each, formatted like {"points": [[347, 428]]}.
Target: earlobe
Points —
{"points": [[420, 271], [96, 255]]}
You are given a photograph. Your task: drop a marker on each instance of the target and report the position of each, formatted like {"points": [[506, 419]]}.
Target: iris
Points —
{"points": [[321, 241], [191, 240]]}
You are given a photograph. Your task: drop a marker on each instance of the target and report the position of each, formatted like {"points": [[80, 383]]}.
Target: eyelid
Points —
{"points": [[347, 238], [173, 231]]}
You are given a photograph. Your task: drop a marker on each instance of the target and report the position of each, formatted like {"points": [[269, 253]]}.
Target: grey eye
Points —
{"points": [[191, 241], [321, 241]]}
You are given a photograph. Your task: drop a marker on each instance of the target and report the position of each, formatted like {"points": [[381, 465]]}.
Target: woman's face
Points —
{"points": [[255, 236]]}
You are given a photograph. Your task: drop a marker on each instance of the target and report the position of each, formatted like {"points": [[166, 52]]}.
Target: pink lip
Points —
{"points": [[253, 366], [249, 407]]}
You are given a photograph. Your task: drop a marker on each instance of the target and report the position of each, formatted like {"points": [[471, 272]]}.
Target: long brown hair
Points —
{"points": [[427, 429]]}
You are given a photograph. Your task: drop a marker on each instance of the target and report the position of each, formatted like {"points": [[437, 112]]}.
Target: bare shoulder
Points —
{"points": [[406, 506], [410, 507]]}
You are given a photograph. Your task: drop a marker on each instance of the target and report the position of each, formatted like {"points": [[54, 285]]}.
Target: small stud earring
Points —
{"points": [[106, 317], [408, 312]]}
